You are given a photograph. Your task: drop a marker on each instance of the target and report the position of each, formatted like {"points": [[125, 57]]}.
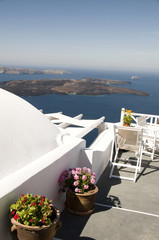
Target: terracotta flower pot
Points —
{"points": [[24, 232], [81, 203], [126, 124]]}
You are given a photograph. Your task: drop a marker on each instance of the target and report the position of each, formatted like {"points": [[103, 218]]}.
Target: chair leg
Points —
{"points": [[137, 167], [115, 158]]}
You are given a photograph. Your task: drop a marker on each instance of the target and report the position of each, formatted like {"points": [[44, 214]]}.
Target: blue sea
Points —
{"points": [[97, 106]]}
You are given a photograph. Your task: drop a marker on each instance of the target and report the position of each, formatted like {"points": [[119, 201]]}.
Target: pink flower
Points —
{"points": [[73, 171], [84, 177], [77, 190], [89, 170], [92, 180], [86, 186], [78, 169], [75, 183], [85, 169], [76, 177]]}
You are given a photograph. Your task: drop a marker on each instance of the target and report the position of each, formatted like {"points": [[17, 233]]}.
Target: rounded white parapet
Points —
{"points": [[25, 134]]}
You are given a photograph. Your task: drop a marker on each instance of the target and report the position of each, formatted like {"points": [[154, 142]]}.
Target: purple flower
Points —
{"points": [[61, 179]]}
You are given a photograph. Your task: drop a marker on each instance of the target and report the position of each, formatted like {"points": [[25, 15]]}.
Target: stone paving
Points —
{"points": [[123, 210]]}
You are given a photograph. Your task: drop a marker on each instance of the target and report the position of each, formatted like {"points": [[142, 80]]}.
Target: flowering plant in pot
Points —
{"points": [[35, 213], [79, 184], [127, 119]]}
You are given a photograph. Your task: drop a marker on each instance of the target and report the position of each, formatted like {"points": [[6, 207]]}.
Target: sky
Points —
{"points": [[89, 34]]}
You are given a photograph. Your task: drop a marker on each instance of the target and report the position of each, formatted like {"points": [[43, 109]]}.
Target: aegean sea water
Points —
{"points": [[94, 107]]}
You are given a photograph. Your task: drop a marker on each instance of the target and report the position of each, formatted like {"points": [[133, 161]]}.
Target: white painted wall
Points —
{"points": [[100, 153], [39, 177], [34, 152], [25, 133]]}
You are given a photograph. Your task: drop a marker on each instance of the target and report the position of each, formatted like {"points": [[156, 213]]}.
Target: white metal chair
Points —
{"points": [[150, 136], [151, 141], [128, 138]]}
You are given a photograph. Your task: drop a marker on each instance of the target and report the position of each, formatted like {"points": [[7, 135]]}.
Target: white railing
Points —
{"points": [[150, 119]]}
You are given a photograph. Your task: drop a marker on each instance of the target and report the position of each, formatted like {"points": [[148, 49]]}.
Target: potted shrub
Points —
{"points": [[127, 119], [81, 191], [34, 217]]}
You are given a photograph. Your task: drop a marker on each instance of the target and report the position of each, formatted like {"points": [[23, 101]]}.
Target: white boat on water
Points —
{"points": [[135, 77]]}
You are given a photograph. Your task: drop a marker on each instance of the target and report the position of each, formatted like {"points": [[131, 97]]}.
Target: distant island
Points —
{"points": [[85, 86], [11, 70]]}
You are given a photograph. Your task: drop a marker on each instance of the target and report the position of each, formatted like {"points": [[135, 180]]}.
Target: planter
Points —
{"points": [[24, 232], [125, 124], [81, 203]]}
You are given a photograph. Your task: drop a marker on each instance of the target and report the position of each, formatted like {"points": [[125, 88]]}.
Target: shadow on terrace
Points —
{"points": [[124, 209]]}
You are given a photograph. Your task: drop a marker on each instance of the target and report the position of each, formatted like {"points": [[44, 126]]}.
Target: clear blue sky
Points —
{"points": [[98, 34]]}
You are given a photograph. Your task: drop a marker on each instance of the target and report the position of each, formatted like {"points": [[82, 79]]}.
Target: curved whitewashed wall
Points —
{"points": [[32, 156], [25, 133], [33, 153]]}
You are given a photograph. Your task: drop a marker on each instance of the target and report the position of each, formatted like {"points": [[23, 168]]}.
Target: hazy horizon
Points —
{"points": [[87, 34]]}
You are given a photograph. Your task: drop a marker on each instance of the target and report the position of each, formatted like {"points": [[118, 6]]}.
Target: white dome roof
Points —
{"points": [[25, 133]]}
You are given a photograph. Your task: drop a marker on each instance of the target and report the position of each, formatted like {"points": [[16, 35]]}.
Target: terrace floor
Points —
{"points": [[123, 210]]}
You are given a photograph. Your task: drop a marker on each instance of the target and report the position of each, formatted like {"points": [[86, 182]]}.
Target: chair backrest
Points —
{"points": [[141, 121], [129, 138]]}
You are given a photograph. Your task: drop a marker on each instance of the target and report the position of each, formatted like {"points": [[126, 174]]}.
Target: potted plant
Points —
{"points": [[127, 119], [81, 191], [34, 217]]}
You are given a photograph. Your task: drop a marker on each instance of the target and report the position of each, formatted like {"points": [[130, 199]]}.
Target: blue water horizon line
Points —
{"points": [[77, 69]]}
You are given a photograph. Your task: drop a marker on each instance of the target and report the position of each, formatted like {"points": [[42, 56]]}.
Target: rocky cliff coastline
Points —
{"points": [[11, 70], [86, 86]]}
